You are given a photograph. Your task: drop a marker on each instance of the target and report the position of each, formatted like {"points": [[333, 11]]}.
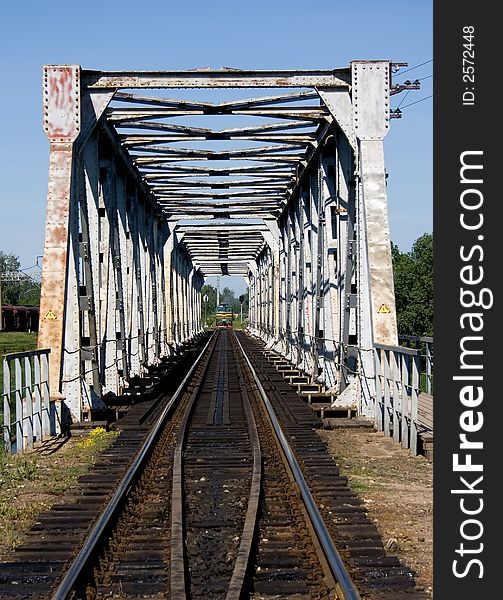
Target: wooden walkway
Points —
{"points": [[425, 418], [322, 403]]}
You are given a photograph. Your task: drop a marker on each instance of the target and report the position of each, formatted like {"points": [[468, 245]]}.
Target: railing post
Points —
{"points": [[416, 360], [399, 369], [45, 393], [397, 397], [378, 416], [405, 400], [19, 404], [28, 405], [428, 343], [37, 399], [387, 396], [7, 414]]}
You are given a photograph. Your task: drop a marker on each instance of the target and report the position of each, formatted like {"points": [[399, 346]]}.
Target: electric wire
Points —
{"points": [[408, 91], [416, 66], [417, 101]]}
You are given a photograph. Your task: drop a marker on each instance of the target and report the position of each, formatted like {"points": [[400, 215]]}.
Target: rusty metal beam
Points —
{"points": [[256, 175], [222, 134], [174, 170], [133, 140], [166, 192], [304, 113], [231, 78], [62, 125], [294, 173], [229, 105]]}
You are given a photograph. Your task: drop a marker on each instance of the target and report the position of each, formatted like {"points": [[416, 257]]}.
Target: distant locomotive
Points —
{"points": [[224, 316]]}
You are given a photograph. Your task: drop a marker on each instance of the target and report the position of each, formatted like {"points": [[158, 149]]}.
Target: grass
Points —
{"points": [[238, 324], [14, 341], [32, 482], [17, 341], [358, 486]]}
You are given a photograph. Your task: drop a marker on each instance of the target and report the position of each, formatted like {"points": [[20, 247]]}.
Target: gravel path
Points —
{"points": [[397, 489]]}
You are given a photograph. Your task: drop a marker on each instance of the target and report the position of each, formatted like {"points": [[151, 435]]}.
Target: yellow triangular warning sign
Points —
{"points": [[383, 309], [50, 316]]}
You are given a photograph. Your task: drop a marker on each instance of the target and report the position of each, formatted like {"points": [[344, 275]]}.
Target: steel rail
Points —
{"points": [[177, 564], [80, 562], [242, 560], [346, 586], [177, 560]]}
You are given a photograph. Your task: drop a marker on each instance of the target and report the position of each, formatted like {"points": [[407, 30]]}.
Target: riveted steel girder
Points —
{"points": [[223, 78], [144, 203]]}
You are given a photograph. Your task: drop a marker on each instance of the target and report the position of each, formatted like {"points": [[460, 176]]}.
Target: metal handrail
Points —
{"points": [[27, 409]]}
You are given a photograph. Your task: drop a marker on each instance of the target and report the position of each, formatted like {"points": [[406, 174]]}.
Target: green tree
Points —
{"points": [[413, 276], [208, 308], [227, 296], [25, 291]]}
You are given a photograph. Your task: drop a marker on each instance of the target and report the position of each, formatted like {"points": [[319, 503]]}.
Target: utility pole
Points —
{"points": [[218, 290], [205, 300], [241, 299]]}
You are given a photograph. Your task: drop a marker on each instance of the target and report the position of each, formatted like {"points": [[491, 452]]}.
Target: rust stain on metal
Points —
{"points": [[61, 102], [52, 300]]}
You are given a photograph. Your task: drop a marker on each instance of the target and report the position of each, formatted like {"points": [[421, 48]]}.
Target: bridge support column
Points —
{"points": [[306, 312], [253, 298], [183, 290], [285, 286], [329, 242], [168, 285], [103, 300], [62, 125], [371, 87], [191, 303], [273, 239], [119, 286]]}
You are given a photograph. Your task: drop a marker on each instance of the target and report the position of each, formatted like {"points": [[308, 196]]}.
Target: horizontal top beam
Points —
{"points": [[233, 104], [185, 169], [202, 78], [233, 226]]}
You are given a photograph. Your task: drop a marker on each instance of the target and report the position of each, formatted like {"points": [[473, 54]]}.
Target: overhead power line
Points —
{"points": [[416, 66], [408, 91], [418, 101]]}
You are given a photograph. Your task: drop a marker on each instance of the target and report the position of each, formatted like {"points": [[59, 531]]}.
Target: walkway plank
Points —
{"points": [[425, 418]]}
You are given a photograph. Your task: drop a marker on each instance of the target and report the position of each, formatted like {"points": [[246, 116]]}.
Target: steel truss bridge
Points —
{"points": [[160, 179]]}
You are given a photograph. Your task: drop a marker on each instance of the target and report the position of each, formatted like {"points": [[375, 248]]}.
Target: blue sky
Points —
{"points": [[281, 34]]}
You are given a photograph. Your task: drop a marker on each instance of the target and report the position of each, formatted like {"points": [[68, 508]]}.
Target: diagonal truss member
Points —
{"points": [[160, 179]]}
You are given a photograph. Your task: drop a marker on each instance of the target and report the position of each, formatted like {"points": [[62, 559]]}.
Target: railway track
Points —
{"points": [[230, 494]]}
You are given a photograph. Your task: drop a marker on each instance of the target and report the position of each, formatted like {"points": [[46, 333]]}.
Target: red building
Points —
{"points": [[20, 318]]}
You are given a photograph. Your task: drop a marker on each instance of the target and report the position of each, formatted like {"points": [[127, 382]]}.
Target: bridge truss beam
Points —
{"points": [[336, 295], [136, 221]]}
